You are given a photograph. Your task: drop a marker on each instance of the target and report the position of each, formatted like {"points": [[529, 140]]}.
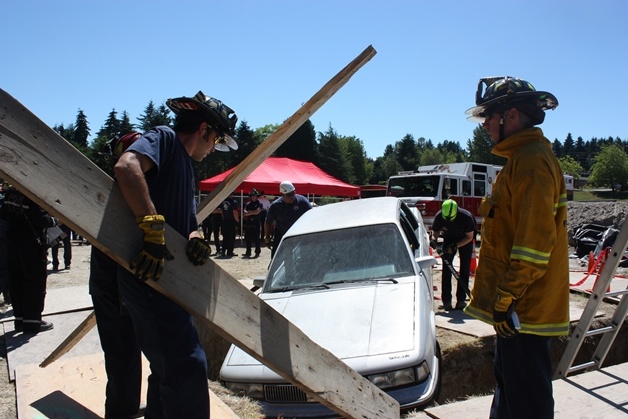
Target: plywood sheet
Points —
{"points": [[597, 394], [75, 388]]}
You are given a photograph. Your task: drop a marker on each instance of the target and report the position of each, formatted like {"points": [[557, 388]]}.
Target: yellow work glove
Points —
{"points": [[149, 263], [505, 320], [198, 251]]}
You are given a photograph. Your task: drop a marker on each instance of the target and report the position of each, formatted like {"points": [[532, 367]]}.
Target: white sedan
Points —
{"points": [[356, 277]]}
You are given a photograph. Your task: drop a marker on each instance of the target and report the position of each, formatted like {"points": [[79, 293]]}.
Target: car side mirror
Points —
{"points": [[426, 262], [259, 281]]}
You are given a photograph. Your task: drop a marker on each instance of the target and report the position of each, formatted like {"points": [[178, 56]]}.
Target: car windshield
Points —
{"points": [[410, 186], [369, 253]]}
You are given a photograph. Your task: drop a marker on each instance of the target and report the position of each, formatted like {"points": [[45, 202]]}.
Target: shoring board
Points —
{"points": [[54, 174], [75, 387], [281, 134], [596, 394], [257, 156]]}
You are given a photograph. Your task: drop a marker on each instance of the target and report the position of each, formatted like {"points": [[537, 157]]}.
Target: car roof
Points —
{"points": [[348, 214]]}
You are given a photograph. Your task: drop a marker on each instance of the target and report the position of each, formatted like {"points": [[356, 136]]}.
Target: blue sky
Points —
{"points": [[266, 58]]}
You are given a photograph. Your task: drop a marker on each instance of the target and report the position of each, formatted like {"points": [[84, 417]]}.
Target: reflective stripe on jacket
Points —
{"points": [[524, 247]]}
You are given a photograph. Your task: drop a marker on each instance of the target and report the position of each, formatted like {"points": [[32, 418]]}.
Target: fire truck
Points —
{"points": [[467, 183]]}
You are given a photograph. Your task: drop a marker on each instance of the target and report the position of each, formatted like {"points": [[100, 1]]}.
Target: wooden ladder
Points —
{"points": [[583, 328]]}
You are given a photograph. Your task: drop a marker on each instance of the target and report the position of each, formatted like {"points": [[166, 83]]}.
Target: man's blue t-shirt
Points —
{"points": [[171, 181], [284, 214]]}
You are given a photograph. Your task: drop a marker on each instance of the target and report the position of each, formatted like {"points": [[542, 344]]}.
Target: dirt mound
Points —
{"points": [[606, 213]]}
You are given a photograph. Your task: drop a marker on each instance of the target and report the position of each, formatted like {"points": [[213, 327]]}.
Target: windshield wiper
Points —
{"points": [[302, 287], [347, 281], [393, 280]]}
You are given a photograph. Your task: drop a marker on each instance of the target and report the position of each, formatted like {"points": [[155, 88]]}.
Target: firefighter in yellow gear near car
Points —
{"points": [[521, 283]]}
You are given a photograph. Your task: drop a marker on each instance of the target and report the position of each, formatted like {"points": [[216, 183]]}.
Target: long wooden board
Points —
{"points": [[281, 134], [248, 165], [59, 178], [69, 342]]}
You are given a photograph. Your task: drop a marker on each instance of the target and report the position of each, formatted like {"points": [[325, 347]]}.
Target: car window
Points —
{"points": [[347, 255], [409, 225]]}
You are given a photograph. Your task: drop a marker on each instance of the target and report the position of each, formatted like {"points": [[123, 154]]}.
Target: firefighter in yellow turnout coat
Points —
{"points": [[522, 280], [524, 239]]}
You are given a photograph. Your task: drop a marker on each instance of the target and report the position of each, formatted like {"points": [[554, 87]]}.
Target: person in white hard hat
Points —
{"points": [[282, 213]]}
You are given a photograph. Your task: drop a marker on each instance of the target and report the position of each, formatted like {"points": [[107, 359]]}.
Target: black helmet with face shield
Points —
{"points": [[216, 114], [507, 92]]}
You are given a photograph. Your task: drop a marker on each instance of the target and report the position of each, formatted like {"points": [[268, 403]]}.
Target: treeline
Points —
{"points": [[343, 157]]}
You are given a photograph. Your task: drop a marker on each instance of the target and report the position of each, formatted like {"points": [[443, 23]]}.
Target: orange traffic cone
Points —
{"points": [[474, 261]]}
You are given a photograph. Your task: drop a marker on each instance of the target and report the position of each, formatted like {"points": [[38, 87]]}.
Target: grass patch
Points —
{"points": [[599, 195]]}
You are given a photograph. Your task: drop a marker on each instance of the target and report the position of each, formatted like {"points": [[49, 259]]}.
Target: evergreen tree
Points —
{"points": [[125, 123], [153, 117], [568, 146], [112, 127], [390, 166], [406, 153], [480, 147], [81, 131], [452, 152], [301, 145], [65, 132], [330, 157], [557, 148], [353, 148], [432, 156]]}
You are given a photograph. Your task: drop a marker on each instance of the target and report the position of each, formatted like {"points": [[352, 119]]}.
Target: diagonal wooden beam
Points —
{"points": [[248, 165], [281, 134], [63, 181]]}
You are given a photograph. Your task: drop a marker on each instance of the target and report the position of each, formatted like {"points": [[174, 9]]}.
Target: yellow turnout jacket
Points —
{"points": [[524, 238]]}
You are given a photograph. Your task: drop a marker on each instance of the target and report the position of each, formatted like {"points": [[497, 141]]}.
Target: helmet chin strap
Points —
{"points": [[501, 126]]}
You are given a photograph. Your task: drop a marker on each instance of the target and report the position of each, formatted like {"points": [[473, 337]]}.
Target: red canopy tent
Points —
{"points": [[305, 176]]}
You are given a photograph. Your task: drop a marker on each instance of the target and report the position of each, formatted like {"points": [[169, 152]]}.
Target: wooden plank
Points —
{"points": [[597, 394], [69, 342], [75, 387], [281, 134], [59, 178], [255, 158]]}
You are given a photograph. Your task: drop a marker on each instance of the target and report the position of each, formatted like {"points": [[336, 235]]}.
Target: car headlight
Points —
{"points": [[252, 390], [400, 377]]}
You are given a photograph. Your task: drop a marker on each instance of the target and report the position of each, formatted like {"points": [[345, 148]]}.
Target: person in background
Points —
{"points": [[262, 216], [4, 263], [67, 249], [156, 178], [27, 259], [458, 229], [521, 283], [282, 213], [216, 227], [230, 211], [251, 214]]}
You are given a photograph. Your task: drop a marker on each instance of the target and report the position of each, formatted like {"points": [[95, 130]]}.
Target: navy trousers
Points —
{"points": [[177, 385], [462, 286], [123, 362], [523, 370]]}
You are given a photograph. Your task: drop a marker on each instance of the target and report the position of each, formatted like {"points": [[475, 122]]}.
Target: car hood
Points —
{"points": [[351, 321]]}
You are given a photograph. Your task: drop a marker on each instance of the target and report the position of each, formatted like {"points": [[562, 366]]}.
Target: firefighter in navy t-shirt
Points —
{"points": [[458, 229]]}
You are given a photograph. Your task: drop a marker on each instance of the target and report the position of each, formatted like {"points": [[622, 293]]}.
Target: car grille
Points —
{"points": [[284, 393]]}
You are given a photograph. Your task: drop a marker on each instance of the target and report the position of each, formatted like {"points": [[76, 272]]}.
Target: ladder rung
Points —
{"points": [[601, 330], [616, 293], [582, 366]]}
